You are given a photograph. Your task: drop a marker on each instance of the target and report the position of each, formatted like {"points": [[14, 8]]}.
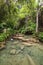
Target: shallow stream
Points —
{"points": [[16, 53]]}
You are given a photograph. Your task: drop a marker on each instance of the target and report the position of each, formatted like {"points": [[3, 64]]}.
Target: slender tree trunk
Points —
{"points": [[37, 22]]}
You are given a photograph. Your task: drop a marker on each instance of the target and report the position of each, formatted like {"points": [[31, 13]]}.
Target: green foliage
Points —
{"points": [[40, 36], [1, 27], [29, 26], [17, 17], [23, 11], [9, 31], [2, 37]]}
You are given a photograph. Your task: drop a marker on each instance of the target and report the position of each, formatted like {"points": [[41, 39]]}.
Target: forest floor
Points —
{"points": [[18, 52]]}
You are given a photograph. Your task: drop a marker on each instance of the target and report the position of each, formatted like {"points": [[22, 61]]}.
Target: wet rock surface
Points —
{"points": [[22, 47], [13, 52], [18, 51], [2, 45], [22, 38]]}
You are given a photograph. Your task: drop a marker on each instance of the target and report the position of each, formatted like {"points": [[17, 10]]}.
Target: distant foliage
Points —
{"points": [[17, 16], [28, 27]]}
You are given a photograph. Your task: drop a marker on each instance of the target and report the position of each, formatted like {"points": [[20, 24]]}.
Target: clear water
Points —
{"points": [[21, 58]]}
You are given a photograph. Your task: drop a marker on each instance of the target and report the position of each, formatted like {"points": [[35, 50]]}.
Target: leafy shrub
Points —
{"points": [[30, 27], [9, 31], [40, 36], [2, 37]]}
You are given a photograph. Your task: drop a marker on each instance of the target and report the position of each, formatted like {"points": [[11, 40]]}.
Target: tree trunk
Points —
{"points": [[37, 22]]}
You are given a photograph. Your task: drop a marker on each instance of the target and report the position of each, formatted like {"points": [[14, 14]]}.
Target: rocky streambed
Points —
{"points": [[17, 53]]}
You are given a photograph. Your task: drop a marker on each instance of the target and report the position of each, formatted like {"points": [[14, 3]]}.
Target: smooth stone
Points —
{"points": [[13, 52], [11, 39], [22, 47]]}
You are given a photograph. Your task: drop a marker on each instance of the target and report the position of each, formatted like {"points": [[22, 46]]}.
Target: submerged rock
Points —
{"points": [[22, 47], [13, 52], [18, 51]]}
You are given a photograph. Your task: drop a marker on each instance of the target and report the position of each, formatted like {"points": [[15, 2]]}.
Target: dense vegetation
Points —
{"points": [[17, 17]]}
